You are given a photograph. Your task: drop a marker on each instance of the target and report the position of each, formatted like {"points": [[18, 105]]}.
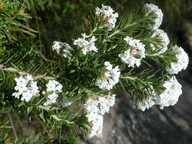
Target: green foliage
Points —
{"points": [[23, 49]]}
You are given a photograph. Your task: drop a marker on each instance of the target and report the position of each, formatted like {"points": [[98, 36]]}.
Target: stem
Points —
{"points": [[40, 101], [20, 123], [91, 33], [58, 119], [114, 33], [156, 55], [89, 69], [41, 123], [131, 78], [117, 31], [11, 121], [136, 78], [43, 57]]}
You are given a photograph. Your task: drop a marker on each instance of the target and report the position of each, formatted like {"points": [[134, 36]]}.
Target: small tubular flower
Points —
{"points": [[53, 88], [110, 77], [134, 54], [95, 109], [156, 15], [107, 15], [146, 103], [86, 45], [164, 41], [170, 95], [26, 87], [66, 48], [182, 61]]}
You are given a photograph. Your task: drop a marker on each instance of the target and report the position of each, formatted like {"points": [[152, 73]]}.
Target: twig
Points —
{"points": [[10, 69], [48, 60], [14, 131]]}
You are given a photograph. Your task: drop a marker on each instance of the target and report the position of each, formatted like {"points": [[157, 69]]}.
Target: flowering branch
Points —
{"points": [[132, 53]]}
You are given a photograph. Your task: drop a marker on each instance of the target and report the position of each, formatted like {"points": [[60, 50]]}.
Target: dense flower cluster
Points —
{"points": [[107, 15], [156, 15], [170, 95], [26, 87], [167, 97], [96, 108], [146, 103], [86, 45], [53, 87], [66, 48], [181, 63], [164, 41], [135, 52], [110, 77]]}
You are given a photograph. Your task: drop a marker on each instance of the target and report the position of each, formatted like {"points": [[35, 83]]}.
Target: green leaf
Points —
{"points": [[72, 71], [21, 104], [41, 115], [29, 109]]}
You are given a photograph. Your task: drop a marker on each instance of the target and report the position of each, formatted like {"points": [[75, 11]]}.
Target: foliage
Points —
{"points": [[25, 51]]}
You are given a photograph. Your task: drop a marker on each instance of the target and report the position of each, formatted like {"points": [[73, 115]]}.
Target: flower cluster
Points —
{"points": [[155, 14], [146, 103], [168, 97], [66, 51], [96, 108], [86, 45], [181, 63], [182, 58], [26, 87], [135, 52], [53, 87], [107, 15], [164, 41], [110, 77]]}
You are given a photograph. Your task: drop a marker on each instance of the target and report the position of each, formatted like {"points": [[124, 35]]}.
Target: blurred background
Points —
{"points": [[64, 20]]}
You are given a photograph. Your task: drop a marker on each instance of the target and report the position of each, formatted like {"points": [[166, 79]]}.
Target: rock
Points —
{"points": [[127, 125]]}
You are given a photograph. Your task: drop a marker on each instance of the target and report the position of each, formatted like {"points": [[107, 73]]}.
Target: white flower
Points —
{"points": [[51, 99], [107, 15], [95, 109], [148, 98], [156, 15], [135, 52], [182, 61], [170, 95], [110, 77], [106, 103], [66, 48], [145, 103], [53, 87], [26, 87], [92, 106], [21, 83], [164, 41], [57, 46], [86, 45], [97, 126], [26, 95]]}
